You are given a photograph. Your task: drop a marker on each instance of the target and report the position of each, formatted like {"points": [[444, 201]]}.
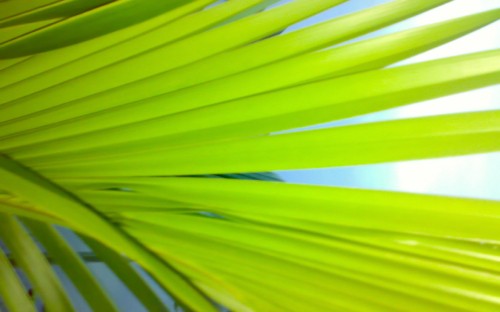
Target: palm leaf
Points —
{"points": [[151, 132]]}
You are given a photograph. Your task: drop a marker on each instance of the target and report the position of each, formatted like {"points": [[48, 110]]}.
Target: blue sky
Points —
{"points": [[469, 176]]}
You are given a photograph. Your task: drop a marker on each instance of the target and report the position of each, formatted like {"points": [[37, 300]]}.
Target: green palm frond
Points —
{"points": [[150, 129]]}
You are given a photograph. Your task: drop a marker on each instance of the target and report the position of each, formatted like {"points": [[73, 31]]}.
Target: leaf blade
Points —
{"points": [[12, 291], [34, 265], [72, 265]]}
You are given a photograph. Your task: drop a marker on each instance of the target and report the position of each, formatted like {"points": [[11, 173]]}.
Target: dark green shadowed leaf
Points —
{"points": [[86, 26], [58, 9]]}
